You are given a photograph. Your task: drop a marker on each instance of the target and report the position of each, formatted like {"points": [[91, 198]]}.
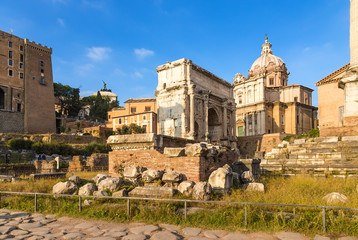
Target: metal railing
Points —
{"points": [[185, 201]]}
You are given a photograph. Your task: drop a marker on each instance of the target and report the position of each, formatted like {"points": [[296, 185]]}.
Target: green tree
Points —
{"points": [[132, 129], [99, 106], [68, 98]]}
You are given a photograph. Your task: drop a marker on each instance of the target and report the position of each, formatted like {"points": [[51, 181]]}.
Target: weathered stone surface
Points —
{"points": [[221, 179], [100, 193], [257, 187], [87, 189], [349, 138], [84, 226], [151, 175], [195, 150], [236, 236], [326, 139], [134, 237], [146, 229], [335, 197], [291, 236], [299, 141], [191, 231], [120, 193], [347, 238], [151, 191], [214, 234], [202, 191], [75, 179], [165, 235], [115, 234], [169, 227], [132, 172], [186, 188], [67, 187], [174, 152], [172, 177], [88, 202], [6, 229], [74, 236], [99, 177], [110, 184], [318, 237], [247, 177]]}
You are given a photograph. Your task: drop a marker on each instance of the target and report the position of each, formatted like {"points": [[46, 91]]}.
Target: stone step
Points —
{"points": [[317, 168], [332, 155], [343, 162]]}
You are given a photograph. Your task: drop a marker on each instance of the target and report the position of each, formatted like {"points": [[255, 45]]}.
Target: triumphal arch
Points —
{"points": [[193, 103]]}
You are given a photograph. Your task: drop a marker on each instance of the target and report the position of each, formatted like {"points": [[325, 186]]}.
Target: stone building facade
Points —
{"points": [[26, 86], [193, 103], [339, 114], [266, 104]]}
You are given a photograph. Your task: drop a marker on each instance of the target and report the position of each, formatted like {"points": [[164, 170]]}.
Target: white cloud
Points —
{"points": [[137, 75], [98, 53], [61, 22], [84, 69], [143, 53]]}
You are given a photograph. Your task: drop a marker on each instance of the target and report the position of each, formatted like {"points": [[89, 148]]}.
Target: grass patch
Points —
{"points": [[303, 190]]}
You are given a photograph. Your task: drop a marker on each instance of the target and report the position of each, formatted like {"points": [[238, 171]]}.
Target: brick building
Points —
{"points": [[26, 86], [140, 111]]}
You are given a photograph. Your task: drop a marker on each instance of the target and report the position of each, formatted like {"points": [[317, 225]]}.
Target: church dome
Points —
{"points": [[267, 59]]}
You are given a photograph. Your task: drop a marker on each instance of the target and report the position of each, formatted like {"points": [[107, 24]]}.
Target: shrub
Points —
{"points": [[19, 143], [313, 133], [94, 147]]}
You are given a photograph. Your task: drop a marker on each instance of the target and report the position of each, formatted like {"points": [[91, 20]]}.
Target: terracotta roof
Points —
{"points": [[137, 100], [333, 76]]}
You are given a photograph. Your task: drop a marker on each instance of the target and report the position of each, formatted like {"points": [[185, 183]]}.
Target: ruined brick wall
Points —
{"points": [[42, 166], [194, 168], [77, 164], [11, 122], [98, 161]]}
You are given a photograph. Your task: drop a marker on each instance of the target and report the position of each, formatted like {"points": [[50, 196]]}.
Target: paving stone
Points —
{"points": [[117, 229], [115, 234], [166, 235], [50, 216], [18, 232], [35, 215], [290, 236], [147, 229], [101, 238], [236, 236], [347, 238], [318, 237], [214, 234], [29, 226], [199, 238], [169, 227], [191, 231], [84, 225], [36, 237], [95, 233], [6, 236], [261, 236], [134, 237], [64, 219], [6, 229], [47, 221], [74, 236]]}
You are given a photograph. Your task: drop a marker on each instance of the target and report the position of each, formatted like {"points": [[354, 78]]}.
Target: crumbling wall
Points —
{"points": [[77, 164], [98, 161], [42, 166]]}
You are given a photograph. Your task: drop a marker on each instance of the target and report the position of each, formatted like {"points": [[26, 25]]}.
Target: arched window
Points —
{"points": [[2, 99]]}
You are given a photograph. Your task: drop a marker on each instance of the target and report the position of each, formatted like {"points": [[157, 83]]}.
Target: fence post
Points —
{"points": [[324, 219], [35, 204], [0, 199], [245, 214], [128, 207], [79, 204], [185, 209]]}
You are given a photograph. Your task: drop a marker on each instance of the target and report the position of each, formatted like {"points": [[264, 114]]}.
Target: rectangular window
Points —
{"points": [[21, 48], [33, 78], [10, 54], [119, 120], [147, 109], [41, 63], [295, 99], [133, 110], [271, 81], [10, 44], [21, 57], [21, 66], [10, 72], [282, 119], [42, 81], [21, 75], [19, 107], [10, 62]]}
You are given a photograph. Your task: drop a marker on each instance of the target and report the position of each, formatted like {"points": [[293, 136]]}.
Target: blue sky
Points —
{"points": [[122, 42]]}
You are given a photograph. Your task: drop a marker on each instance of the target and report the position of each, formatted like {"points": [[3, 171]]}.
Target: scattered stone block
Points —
{"points": [[75, 179], [196, 150], [67, 187], [99, 177], [202, 191], [186, 188], [88, 202], [151, 191], [110, 184], [87, 189], [335, 197], [120, 193], [299, 141], [151, 175], [100, 194], [247, 177], [174, 152], [221, 179], [257, 187]]}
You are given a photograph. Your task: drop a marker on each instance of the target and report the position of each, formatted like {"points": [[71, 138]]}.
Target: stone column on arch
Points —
{"points": [[192, 111], [233, 123], [224, 119], [206, 116]]}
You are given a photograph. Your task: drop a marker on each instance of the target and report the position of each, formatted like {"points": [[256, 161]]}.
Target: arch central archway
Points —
{"points": [[214, 125]]}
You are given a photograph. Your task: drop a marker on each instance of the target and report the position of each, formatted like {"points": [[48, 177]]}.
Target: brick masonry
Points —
{"points": [[194, 168]]}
